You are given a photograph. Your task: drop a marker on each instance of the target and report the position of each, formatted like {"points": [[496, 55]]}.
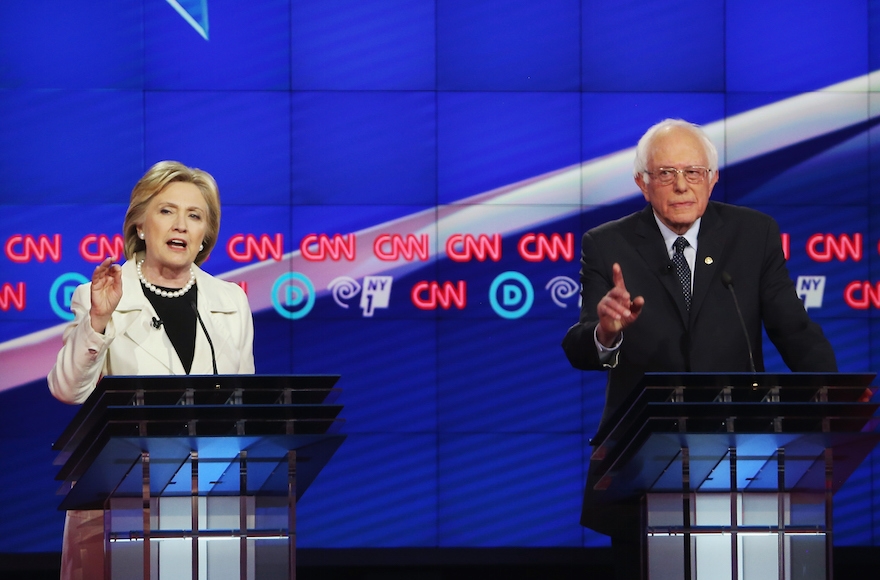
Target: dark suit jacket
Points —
{"points": [[666, 337]]}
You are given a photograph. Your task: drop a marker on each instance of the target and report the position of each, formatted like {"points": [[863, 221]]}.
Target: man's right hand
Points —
{"points": [[616, 310]]}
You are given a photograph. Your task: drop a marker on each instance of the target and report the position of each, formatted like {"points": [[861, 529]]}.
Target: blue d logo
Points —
{"points": [[516, 295]]}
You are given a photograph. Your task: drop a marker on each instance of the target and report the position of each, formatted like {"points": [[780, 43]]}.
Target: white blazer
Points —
{"points": [[131, 345]]}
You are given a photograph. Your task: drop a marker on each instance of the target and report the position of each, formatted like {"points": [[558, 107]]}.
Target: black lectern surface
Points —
{"points": [[216, 416], [757, 414]]}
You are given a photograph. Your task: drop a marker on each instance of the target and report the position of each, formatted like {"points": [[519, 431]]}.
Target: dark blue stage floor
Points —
{"points": [[850, 563]]}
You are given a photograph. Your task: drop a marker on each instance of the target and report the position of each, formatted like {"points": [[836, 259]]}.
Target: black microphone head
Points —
{"points": [[726, 279]]}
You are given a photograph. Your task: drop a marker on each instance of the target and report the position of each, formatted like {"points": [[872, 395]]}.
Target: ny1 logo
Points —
{"points": [[293, 294], [811, 290]]}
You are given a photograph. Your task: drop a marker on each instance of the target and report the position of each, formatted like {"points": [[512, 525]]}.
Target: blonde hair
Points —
{"points": [[151, 184]]}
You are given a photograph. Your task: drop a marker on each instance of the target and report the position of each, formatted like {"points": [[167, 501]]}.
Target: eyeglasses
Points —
{"points": [[666, 175]]}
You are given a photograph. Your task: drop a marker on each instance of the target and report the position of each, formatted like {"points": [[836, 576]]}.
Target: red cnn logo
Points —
{"points": [[94, 248], [391, 247], [862, 295], [429, 295], [464, 247], [21, 249], [246, 247], [13, 297], [538, 247], [317, 248], [826, 247]]}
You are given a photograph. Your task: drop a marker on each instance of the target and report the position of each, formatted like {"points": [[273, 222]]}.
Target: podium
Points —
{"points": [[735, 473], [199, 476]]}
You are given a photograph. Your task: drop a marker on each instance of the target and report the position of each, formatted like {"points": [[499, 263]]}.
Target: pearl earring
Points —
{"points": [[201, 247], [141, 235]]}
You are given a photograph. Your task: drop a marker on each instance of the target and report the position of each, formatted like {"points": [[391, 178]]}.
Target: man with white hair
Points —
{"points": [[656, 298]]}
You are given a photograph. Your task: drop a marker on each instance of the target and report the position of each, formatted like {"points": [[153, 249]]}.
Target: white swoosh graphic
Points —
{"points": [[550, 197]]}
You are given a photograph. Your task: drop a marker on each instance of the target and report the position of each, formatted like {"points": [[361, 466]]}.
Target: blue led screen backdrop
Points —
{"points": [[404, 186]]}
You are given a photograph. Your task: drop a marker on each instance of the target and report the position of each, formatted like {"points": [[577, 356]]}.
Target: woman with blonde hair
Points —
{"points": [[142, 318]]}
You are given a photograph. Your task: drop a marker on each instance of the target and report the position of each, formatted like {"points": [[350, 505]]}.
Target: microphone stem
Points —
{"points": [[745, 331], [208, 336]]}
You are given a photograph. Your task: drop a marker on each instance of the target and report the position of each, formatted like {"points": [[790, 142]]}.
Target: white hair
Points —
{"points": [[640, 165]]}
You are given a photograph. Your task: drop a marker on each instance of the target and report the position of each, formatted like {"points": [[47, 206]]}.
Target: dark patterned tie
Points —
{"points": [[682, 269]]}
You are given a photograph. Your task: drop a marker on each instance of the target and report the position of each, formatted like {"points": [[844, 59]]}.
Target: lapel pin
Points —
{"points": [[708, 260]]}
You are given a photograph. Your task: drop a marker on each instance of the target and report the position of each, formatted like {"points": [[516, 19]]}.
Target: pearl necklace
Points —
{"points": [[166, 293]]}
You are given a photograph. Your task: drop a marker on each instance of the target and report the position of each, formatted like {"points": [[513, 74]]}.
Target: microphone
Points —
{"points": [[727, 280], [205, 330], [156, 323]]}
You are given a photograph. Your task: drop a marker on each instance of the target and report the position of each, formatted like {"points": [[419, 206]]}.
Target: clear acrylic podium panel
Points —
{"points": [[737, 472], [199, 476], [764, 550], [223, 551], [211, 508]]}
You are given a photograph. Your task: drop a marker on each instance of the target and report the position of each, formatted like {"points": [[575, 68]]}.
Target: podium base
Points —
{"points": [[235, 538], [736, 536]]}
